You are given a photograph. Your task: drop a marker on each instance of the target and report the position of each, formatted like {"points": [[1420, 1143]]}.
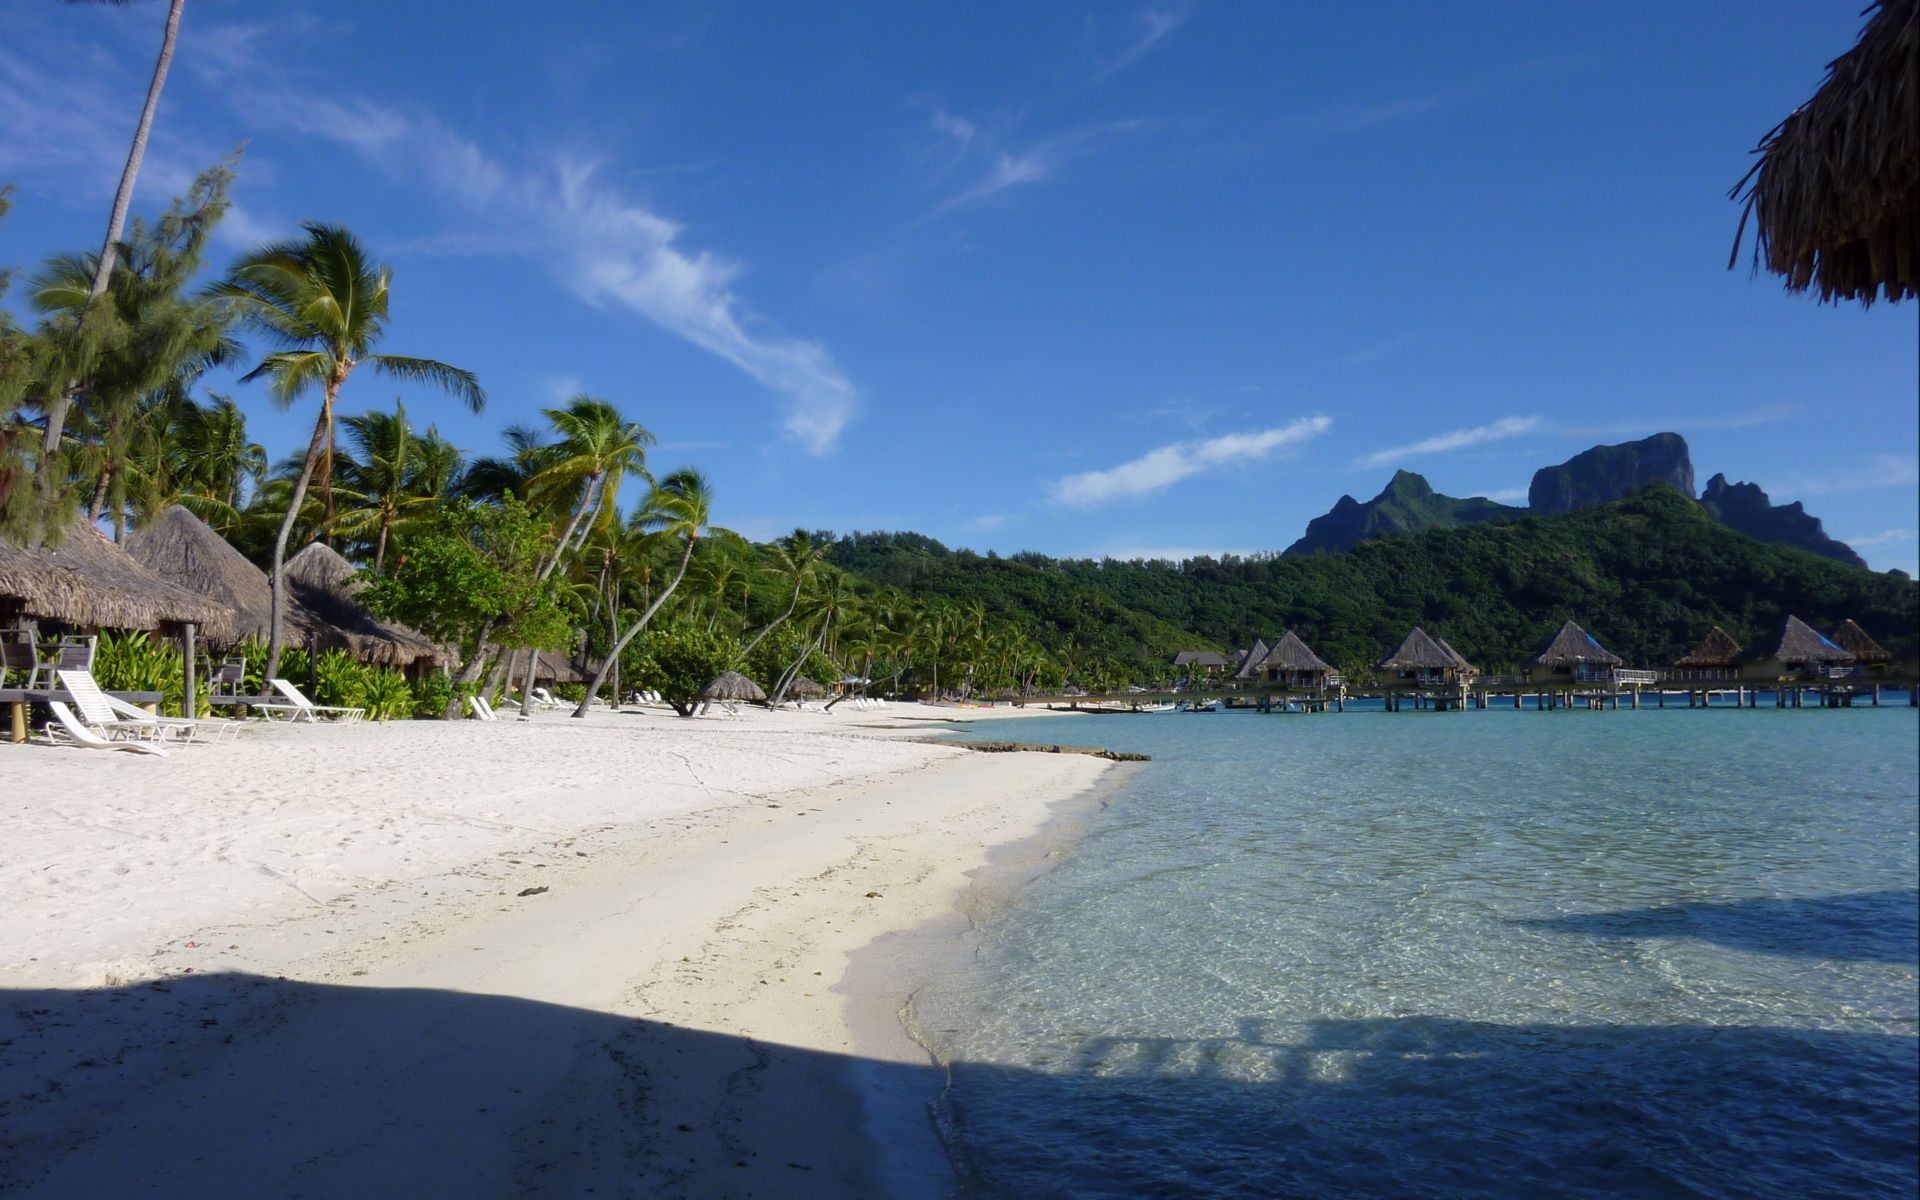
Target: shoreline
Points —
{"points": [[652, 1005]]}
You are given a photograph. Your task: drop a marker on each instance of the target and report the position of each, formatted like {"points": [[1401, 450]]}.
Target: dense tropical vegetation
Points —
{"points": [[564, 547]]}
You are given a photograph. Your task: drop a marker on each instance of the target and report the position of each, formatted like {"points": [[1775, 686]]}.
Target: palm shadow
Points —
{"points": [[1879, 927], [242, 1086]]}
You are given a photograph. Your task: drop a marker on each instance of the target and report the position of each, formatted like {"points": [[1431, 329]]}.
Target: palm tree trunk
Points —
{"points": [[99, 504], [613, 656], [122, 198], [380, 546], [278, 578], [775, 623]]}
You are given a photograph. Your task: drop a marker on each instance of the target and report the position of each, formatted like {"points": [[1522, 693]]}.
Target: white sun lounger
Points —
{"points": [[482, 711], [209, 730], [95, 708], [72, 728], [297, 699]]}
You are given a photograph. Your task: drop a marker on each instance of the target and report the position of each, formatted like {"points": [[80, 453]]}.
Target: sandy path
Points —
{"points": [[384, 1014]]}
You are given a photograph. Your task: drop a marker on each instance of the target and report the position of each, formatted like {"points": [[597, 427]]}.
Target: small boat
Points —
{"points": [[1208, 707]]}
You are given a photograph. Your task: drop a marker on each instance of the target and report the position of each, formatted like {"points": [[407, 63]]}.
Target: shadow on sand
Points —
{"points": [[1881, 927], [238, 1086]]}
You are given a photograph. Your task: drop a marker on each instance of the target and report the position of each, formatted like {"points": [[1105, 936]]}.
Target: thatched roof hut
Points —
{"points": [[1291, 656], [551, 667], [185, 550], [804, 688], [1716, 650], [1571, 647], [1211, 660], [1853, 639], [1419, 651], [731, 685], [89, 582], [1795, 643], [325, 585], [1835, 197], [1255, 655]]}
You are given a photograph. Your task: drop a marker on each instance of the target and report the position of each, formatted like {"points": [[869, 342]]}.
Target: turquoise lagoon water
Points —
{"points": [[1499, 954]]}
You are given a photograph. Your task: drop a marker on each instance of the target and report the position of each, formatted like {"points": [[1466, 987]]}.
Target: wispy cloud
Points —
{"points": [[1001, 168], [1886, 537], [1161, 468], [1503, 495], [1879, 471], [1444, 443], [599, 244], [1150, 27], [1743, 419], [986, 523]]}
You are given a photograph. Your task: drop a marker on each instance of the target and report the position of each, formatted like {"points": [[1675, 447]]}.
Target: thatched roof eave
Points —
{"points": [[89, 582]]}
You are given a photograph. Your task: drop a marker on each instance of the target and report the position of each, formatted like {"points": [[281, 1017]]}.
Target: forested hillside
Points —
{"points": [[1647, 575]]}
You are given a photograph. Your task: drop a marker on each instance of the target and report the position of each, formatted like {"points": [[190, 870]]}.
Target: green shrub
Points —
{"points": [[385, 694], [135, 661], [431, 694]]}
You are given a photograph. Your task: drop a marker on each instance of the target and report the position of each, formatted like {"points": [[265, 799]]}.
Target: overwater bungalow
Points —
{"points": [[1250, 660], [1293, 664], [1201, 662], [1717, 656], [88, 584], [1572, 655], [1422, 660], [1792, 649], [1866, 652]]}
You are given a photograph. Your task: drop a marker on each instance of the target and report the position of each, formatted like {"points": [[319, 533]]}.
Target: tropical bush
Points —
{"points": [[135, 661], [432, 693], [677, 660]]}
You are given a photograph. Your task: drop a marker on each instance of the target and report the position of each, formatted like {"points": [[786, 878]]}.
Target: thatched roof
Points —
{"points": [[1794, 641], [1199, 658], [552, 667], [1255, 655], [1419, 651], [1852, 638], [185, 550], [324, 584], [1572, 646], [1717, 649], [1292, 654], [802, 686], [90, 582], [1836, 193], [731, 685]]}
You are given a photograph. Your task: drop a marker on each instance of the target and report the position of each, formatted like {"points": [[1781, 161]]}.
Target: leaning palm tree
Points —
{"points": [[678, 507], [796, 557], [596, 450], [325, 301], [122, 198]]}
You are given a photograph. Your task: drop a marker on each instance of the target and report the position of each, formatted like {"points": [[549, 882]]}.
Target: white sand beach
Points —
{"points": [[605, 957]]}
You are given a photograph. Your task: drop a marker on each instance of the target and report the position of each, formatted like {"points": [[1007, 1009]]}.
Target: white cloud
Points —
{"points": [[1503, 495], [986, 523], [1459, 439], [1879, 471], [600, 245], [1160, 469], [1152, 26], [1037, 163], [1886, 537]]}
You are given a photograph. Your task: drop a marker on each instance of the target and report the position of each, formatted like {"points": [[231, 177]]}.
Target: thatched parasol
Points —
{"points": [[1573, 646], [804, 688], [1717, 649], [90, 582], [325, 585], [1794, 642], [1852, 638], [731, 685], [1294, 656], [1419, 651], [1835, 197]]}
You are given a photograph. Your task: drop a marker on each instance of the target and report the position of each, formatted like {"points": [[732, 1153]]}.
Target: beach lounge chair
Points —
{"points": [[544, 698], [116, 715], [67, 727], [482, 711], [307, 709]]}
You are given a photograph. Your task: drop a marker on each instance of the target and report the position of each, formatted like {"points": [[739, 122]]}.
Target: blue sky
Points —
{"points": [[1091, 278]]}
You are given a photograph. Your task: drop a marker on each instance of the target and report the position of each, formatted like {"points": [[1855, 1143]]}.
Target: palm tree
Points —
{"points": [[679, 506], [122, 198], [796, 557], [597, 448], [215, 458], [325, 301], [395, 474]]}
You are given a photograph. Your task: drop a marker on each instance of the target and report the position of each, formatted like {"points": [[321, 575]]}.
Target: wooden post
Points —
{"points": [[19, 722], [189, 707]]}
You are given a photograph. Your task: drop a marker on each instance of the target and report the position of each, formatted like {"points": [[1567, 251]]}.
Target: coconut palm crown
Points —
{"points": [[324, 301]]}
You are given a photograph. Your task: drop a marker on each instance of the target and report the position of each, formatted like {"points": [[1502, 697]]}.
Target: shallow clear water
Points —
{"points": [[1458, 954]]}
